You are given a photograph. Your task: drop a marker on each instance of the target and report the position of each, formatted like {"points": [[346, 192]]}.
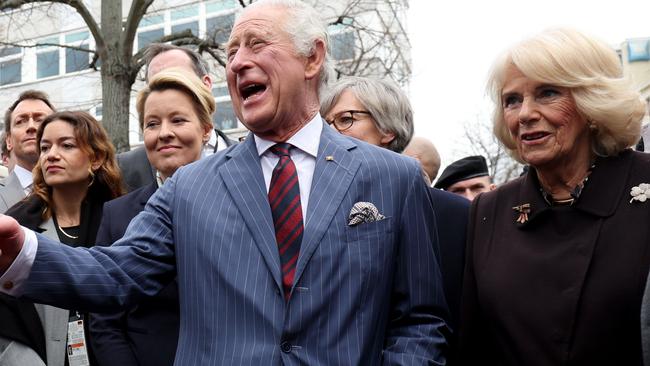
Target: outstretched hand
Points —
{"points": [[11, 241]]}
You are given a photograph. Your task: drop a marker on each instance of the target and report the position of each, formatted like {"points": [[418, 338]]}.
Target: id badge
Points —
{"points": [[76, 346]]}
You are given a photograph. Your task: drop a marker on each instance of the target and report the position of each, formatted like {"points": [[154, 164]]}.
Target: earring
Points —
{"points": [[92, 177], [592, 126]]}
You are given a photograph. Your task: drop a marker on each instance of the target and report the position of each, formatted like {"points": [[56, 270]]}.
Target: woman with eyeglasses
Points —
{"points": [[379, 112], [372, 110], [75, 174]]}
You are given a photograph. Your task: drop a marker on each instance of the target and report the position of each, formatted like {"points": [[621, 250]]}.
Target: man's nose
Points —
{"points": [[33, 123]]}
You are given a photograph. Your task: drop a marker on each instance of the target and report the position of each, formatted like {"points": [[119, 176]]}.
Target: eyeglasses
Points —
{"points": [[344, 120]]}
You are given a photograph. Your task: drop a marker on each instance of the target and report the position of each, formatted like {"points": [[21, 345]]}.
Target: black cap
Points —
{"points": [[463, 169]]}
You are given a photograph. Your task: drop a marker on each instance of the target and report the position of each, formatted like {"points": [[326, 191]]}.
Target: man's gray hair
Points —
{"points": [[305, 26], [385, 101]]}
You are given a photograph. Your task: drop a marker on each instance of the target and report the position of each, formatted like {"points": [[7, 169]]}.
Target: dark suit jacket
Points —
{"points": [[367, 294], [146, 334], [564, 287], [137, 171], [451, 212]]}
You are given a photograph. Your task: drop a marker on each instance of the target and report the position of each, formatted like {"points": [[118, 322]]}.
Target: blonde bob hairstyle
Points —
{"points": [[590, 70], [185, 82]]}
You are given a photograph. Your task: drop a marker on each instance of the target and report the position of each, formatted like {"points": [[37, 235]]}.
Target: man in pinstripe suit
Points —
{"points": [[365, 286]]}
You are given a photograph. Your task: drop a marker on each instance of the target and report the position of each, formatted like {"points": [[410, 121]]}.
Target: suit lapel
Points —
{"points": [[332, 179], [242, 174], [14, 190]]}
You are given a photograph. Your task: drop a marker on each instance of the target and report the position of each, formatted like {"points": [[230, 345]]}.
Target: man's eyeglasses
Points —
{"points": [[344, 120]]}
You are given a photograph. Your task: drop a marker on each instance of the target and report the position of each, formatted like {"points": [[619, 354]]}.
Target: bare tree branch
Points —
{"points": [[76, 4], [136, 12], [45, 44]]}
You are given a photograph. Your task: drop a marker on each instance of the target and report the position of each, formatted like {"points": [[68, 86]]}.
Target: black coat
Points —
{"points": [[565, 286], [451, 212]]}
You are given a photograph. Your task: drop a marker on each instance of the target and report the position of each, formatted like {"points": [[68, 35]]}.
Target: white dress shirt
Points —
{"points": [[306, 141], [25, 178], [208, 148]]}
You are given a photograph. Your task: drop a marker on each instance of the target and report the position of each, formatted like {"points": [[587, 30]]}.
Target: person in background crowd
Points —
{"points": [[379, 112], [175, 112], [363, 112], [75, 174], [338, 272], [467, 177], [22, 119], [136, 168], [8, 161], [426, 153], [556, 259]]}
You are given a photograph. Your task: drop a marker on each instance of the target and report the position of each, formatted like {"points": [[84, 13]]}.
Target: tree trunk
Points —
{"points": [[116, 74], [116, 91]]}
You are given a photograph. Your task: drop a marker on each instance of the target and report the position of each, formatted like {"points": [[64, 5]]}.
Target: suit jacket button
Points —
{"points": [[285, 347], [8, 285]]}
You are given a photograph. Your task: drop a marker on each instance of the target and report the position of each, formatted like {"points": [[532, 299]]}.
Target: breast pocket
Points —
{"points": [[370, 247]]}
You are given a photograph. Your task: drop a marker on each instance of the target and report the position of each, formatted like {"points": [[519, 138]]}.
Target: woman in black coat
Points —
{"points": [[557, 259]]}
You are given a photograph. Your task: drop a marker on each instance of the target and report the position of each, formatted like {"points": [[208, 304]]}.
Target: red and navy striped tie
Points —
{"points": [[284, 197]]}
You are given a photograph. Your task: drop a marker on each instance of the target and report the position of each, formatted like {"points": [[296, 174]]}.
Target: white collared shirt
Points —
{"points": [[306, 141], [25, 178], [208, 148]]}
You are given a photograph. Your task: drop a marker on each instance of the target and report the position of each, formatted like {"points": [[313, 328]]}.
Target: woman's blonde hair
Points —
{"points": [[178, 79], [92, 139], [591, 70]]}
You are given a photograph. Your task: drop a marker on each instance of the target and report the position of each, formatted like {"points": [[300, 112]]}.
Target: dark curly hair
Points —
{"points": [[93, 140]]}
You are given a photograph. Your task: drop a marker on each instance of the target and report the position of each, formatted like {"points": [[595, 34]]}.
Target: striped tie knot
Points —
{"points": [[281, 149]]}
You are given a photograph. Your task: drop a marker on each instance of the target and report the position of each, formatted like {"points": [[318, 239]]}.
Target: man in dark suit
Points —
{"points": [[21, 121], [298, 246], [135, 168]]}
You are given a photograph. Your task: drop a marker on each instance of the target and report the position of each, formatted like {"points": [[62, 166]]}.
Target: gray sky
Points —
{"points": [[455, 42]]}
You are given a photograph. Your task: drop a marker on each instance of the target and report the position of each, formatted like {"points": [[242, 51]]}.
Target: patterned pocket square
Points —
{"points": [[364, 212]]}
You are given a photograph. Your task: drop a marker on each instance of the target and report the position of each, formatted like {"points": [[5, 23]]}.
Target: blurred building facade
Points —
{"points": [[366, 37]]}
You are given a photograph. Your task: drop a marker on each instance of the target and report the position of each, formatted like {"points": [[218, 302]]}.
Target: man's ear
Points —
{"points": [[10, 146], [315, 61], [207, 81], [493, 186]]}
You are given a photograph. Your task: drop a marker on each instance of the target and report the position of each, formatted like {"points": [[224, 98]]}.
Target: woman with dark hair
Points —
{"points": [[75, 174]]}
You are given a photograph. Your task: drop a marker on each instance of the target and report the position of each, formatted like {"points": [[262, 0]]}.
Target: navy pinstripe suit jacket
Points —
{"points": [[363, 295]]}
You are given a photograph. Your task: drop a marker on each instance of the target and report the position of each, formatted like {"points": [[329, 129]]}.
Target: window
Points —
{"points": [[221, 5], [218, 28], [192, 26], [224, 118], [148, 37], [10, 65], [47, 58], [47, 63], [638, 50], [76, 60], [220, 91], [343, 46], [185, 12]]}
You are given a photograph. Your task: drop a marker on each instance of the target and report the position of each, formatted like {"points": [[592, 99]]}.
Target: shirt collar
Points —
{"points": [[306, 139], [24, 176]]}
